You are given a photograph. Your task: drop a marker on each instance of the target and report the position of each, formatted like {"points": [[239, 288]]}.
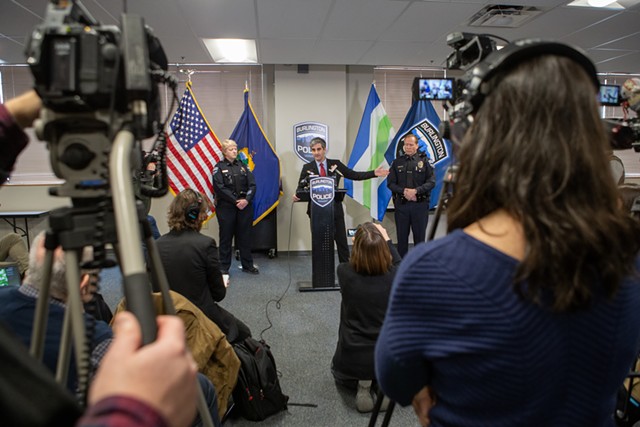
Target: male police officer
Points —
{"points": [[235, 188], [411, 180], [321, 166]]}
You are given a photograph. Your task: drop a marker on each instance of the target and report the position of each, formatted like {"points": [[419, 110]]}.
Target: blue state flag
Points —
{"points": [[255, 150], [373, 139], [423, 121]]}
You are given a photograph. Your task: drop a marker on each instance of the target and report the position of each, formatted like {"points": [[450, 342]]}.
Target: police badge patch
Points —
{"points": [[322, 190], [303, 133]]}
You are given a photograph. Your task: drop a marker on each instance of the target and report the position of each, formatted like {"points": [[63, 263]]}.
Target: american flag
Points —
{"points": [[193, 148]]}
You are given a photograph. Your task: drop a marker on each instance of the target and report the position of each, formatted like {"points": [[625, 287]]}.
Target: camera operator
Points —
{"points": [[150, 386], [17, 113], [149, 177], [526, 313], [235, 188]]}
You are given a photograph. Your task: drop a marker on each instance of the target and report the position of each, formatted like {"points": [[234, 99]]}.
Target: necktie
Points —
{"points": [[411, 165], [323, 172]]}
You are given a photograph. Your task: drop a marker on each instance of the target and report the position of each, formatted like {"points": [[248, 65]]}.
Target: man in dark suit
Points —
{"points": [[190, 260], [321, 166]]}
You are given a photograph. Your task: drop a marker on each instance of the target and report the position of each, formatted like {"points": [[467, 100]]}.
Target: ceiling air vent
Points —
{"points": [[503, 16]]}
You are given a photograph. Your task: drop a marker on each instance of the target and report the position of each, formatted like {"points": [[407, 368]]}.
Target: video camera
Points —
{"points": [[624, 134], [80, 65], [469, 49], [94, 80], [470, 55], [99, 89]]}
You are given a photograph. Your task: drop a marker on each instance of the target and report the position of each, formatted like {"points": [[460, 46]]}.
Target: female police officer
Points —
{"points": [[235, 187]]}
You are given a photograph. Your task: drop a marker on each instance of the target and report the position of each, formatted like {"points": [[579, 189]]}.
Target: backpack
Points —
{"points": [[257, 394]]}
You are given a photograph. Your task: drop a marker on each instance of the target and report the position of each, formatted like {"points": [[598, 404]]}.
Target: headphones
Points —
{"points": [[193, 210], [476, 88]]}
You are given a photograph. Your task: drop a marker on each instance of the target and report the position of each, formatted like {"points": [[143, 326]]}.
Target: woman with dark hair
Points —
{"points": [[526, 313], [190, 260], [365, 283]]}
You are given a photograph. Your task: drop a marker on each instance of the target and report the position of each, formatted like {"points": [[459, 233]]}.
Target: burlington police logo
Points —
{"points": [[429, 141], [321, 190], [303, 133]]}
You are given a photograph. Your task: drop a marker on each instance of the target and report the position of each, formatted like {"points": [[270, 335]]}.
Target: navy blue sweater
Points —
{"points": [[16, 313], [493, 359]]}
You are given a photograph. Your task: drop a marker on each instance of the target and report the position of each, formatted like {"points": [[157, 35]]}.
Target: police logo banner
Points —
{"points": [[321, 190], [429, 141], [303, 133]]}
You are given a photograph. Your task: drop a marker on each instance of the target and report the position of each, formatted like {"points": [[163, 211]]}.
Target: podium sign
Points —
{"points": [[321, 191], [322, 196]]}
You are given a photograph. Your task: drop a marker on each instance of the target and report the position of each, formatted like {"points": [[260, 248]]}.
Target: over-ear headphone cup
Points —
{"points": [[502, 60], [193, 211]]}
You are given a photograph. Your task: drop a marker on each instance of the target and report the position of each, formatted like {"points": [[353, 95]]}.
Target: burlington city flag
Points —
{"points": [[373, 139]]}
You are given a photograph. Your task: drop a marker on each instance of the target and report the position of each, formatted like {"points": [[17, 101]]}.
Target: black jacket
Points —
{"points": [[233, 181], [364, 304], [336, 169], [190, 260]]}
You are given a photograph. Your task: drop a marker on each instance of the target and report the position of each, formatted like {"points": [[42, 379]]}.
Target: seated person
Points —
{"points": [[213, 354], [190, 260], [365, 283], [18, 305], [13, 247], [142, 386], [92, 300]]}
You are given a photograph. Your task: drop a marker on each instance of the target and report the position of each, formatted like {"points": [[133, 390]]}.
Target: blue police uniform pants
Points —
{"points": [[235, 222], [411, 216]]}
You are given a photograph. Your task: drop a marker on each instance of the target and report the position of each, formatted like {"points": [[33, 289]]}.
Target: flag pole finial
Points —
{"points": [[246, 86], [188, 72]]}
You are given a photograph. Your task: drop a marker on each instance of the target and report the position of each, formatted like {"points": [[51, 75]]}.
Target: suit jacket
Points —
{"points": [[191, 262], [336, 169]]}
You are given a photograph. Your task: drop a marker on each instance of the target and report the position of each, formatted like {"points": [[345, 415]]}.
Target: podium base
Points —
{"points": [[306, 286]]}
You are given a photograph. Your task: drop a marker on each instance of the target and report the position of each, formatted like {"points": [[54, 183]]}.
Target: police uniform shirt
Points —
{"points": [[411, 172], [233, 181]]}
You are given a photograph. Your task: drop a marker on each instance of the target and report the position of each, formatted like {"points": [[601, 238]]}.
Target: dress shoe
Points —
{"points": [[253, 270]]}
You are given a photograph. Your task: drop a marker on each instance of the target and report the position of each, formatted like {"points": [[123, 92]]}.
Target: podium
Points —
{"points": [[321, 196]]}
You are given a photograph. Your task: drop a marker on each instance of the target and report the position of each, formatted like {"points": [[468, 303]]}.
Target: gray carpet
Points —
{"points": [[302, 338]]}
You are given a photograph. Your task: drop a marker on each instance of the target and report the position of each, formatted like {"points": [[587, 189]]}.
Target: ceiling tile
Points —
{"points": [[285, 19]]}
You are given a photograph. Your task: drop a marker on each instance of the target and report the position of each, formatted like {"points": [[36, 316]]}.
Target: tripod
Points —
{"points": [[109, 217], [446, 192]]}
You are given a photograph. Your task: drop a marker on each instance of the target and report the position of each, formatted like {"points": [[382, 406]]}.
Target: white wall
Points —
{"points": [[335, 96]]}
